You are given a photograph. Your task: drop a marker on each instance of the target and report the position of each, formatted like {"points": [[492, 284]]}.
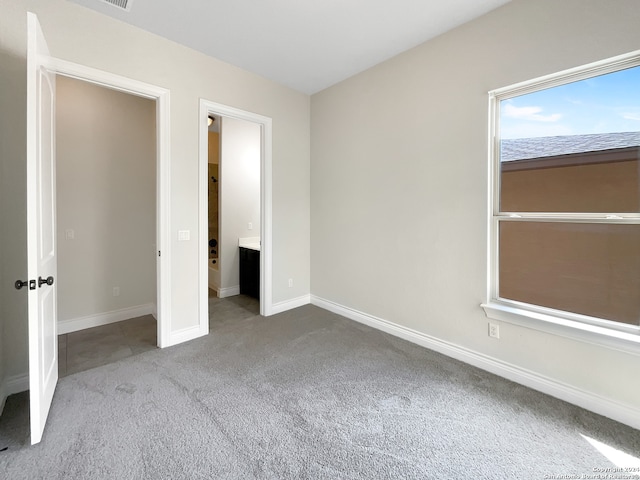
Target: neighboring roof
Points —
{"points": [[540, 147]]}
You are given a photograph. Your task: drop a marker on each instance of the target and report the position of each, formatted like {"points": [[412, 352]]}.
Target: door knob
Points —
{"points": [[23, 283], [48, 281]]}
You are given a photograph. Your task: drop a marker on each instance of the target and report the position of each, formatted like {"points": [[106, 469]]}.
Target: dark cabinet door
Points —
{"points": [[250, 272]]}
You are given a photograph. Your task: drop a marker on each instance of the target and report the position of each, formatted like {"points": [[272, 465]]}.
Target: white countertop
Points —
{"points": [[252, 243]]}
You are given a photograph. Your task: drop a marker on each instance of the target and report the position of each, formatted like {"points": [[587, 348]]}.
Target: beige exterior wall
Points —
{"points": [[591, 269], [399, 221], [611, 187]]}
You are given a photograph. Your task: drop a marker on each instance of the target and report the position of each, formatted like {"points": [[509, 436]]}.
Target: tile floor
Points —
{"points": [[93, 347]]}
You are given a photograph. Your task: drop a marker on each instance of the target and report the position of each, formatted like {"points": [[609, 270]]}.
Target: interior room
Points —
{"points": [[395, 334], [106, 224], [234, 214], [213, 202]]}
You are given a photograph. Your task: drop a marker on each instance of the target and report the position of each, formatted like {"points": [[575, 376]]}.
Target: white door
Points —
{"points": [[41, 230]]}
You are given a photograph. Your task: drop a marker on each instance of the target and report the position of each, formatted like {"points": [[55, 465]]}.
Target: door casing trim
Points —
{"points": [[266, 194], [163, 174]]}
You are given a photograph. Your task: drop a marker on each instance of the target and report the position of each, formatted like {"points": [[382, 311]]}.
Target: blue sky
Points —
{"points": [[604, 104]]}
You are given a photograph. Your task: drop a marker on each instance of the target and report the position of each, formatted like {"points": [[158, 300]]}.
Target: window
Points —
{"points": [[564, 252]]}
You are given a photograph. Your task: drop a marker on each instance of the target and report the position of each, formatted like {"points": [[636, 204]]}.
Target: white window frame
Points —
{"points": [[588, 329]]}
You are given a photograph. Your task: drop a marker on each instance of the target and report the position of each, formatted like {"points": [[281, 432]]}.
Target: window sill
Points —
{"points": [[604, 337]]}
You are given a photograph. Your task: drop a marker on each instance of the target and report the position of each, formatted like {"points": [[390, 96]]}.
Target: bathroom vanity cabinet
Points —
{"points": [[250, 272]]}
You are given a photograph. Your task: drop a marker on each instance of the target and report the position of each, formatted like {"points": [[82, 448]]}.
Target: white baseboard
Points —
{"points": [[590, 401], [154, 311], [213, 276], [228, 291], [290, 304], [3, 395], [12, 385], [75, 324], [17, 383]]}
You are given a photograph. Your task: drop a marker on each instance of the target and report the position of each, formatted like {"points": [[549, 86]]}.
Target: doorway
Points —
{"points": [[234, 206], [213, 205], [106, 224], [245, 132], [160, 248]]}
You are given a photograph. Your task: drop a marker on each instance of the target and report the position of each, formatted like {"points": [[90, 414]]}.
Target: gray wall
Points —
{"points": [[399, 182], [86, 37], [106, 193]]}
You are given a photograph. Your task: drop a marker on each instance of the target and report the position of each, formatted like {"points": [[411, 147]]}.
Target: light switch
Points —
{"points": [[184, 235], [69, 234], [250, 226]]}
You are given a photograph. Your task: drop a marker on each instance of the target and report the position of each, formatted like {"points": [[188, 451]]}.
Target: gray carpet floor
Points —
{"points": [[303, 394]]}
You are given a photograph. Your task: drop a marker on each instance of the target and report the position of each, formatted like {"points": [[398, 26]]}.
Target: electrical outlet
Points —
{"points": [[494, 330], [290, 282], [116, 291]]}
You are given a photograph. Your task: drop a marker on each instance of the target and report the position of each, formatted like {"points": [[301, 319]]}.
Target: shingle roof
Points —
{"points": [[526, 148]]}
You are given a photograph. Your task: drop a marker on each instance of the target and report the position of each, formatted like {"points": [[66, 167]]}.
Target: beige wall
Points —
{"points": [[399, 221], [106, 194], [240, 193], [86, 37]]}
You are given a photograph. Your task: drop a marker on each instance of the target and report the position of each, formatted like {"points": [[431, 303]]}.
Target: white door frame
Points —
{"points": [[163, 159], [266, 248]]}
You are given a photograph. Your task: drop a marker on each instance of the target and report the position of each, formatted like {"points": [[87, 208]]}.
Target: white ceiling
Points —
{"points": [[307, 45]]}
